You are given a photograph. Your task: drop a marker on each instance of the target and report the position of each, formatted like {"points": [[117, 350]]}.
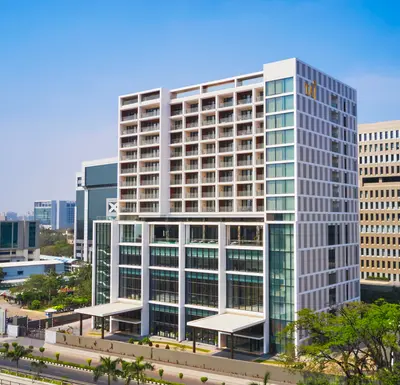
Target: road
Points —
{"points": [[87, 377]]}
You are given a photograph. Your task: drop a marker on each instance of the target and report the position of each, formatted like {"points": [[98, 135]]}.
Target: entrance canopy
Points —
{"points": [[227, 322], [110, 309]]}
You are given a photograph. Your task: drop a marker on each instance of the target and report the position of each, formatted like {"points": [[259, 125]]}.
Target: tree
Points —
{"points": [[38, 367], [135, 370], [203, 379], [6, 347], [360, 341], [18, 352], [41, 350], [107, 367], [161, 373]]}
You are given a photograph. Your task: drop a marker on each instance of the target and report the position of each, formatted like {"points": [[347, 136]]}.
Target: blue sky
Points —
{"points": [[64, 63]]}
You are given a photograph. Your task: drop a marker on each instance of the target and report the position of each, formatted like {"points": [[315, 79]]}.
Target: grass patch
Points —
{"points": [[32, 377]]}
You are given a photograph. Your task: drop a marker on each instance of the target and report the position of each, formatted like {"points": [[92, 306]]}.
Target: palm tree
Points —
{"points": [[18, 352], [38, 367], [6, 347], [107, 367], [135, 370], [266, 378]]}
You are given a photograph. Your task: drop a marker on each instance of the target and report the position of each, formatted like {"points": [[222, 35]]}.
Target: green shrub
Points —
{"points": [[140, 343], [203, 379], [14, 344], [161, 372], [167, 347], [145, 340], [131, 341], [89, 361], [180, 375], [35, 305], [57, 356], [163, 382]]}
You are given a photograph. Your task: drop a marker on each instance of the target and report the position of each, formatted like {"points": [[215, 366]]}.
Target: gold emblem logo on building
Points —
{"points": [[311, 89]]}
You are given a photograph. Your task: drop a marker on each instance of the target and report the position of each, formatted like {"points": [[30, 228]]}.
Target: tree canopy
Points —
{"points": [[358, 341]]}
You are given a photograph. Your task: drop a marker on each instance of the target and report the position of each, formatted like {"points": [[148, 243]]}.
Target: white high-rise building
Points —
{"points": [[237, 200]]}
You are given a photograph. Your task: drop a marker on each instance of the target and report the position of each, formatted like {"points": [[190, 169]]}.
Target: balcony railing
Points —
{"points": [[208, 122], [129, 101], [192, 166], [244, 100], [192, 152], [192, 195], [208, 151], [146, 155], [259, 114], [149, 182], [153, 127], [247, 131], [128, 144], [129, 157], [259, 193], [245, 163], [192, 181], [176, 196], [192, 209], [208, 194], [176, 181], [226, 164], [150, 113], [260, 129], [226, 179], [149, 209], [176, 112], [128, 196], [176, 140], [208, 137], [129, 131], [245, 193], [259, 176], [131, 170], [259, 145], [192, 124], [208, 165], [125, 183], [244, 147], [226, 149], [150, 141], [225, 209], [192, 138], [259, 98], [245, 178], [225, 134], [176, 154], [209, 209], [175, 126], [149, 196], [245, 116], [208, 107], [227, 119], [245, 208], [176, 209], [150, 97], [260, 161], [127, 209], [150, 169], [209, 180], [176, 168], [129, 117], [226, 194], [226, 104], [192, 110]]}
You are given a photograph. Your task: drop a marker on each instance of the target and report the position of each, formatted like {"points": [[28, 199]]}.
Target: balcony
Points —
{"points": [[208, 150], [260, 129], [146, 142], [260, 98], [208, 107], [209, 209], [176, 140], [192, 195], [225, 134], [150, 196], [208, 180], [260, 193], [245, 193], [244, 147], [208, 165], [260, 208], [192, 110], [153, 154], [226, 104], [192, 124], [192, 152], [153, 127], [129, 131], [176, 196], [260, 176], [208, 194], [127, 183], [226, 209], [260, 161], [244, 162], [128, 196], [226, 194], [128, 144], [150, 182], [149, 209], [247, 131], [226, 149], [193, 138], [131, 170], [259, 145], [129, 157], [175, 182], [147, 98], [192, 181], [245, 116], [226, 179], [245, 178], [208, 122], [226, 164], [150, 169], [259, 115], [244, 100], [226, 119], [129, 117], [176, 112], [192, 209], [176, 209], [176, 154], [208, 137], [176, 168], [245, 208], [176, 126], [192, 166], [133, 100], [127, 209], [148, 114]]}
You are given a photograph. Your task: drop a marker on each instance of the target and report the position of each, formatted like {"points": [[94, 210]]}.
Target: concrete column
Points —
{"points": [[145, 314], [266, 287], [114, 262], [221, 272], [181, 287]]}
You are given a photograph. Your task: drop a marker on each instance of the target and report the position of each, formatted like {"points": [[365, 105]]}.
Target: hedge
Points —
{"points": [[163, 382], [66, 363], [32, 377]]}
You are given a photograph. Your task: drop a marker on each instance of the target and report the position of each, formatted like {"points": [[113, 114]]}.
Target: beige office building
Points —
{"points": [[379, 184]]}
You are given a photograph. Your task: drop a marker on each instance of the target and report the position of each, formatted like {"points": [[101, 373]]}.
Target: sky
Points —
{"points": [[63, 64]]}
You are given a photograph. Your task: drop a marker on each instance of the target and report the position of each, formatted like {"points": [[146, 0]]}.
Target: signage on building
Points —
{"points": [[311, 89]]}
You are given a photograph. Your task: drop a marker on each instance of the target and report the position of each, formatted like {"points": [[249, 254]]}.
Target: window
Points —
{"points": [[164, 321], [103, 263], [130, 283], [280, 204], [164, 256], [280, 86], [164, 286], [332, 259], [244, 260], [281, 103], [280, 187], [333, 235], [202, 289], [20, 272], [280, 137], [280, 170], [199, 258], [202, 335], [280, 120], [276, 154], [130, 255], [244, 292]]}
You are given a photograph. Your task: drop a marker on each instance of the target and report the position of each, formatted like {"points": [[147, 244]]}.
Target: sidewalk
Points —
{"points": [[80, 356]]}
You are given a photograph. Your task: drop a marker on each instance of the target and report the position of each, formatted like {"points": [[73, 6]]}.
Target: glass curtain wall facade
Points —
{"points": [[281, 281], [103, 263], [202, 335], [245, 292], [164, 256], [200, 258], [164, 286], [164, 321], [244, 260], [130, 281], [130, 255], [202, 289]]}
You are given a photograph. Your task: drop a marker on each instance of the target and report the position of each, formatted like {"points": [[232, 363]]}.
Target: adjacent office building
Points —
{"points": [[19, 241], [379, 181], [66, 215], [237, 207], [96, 198], [46, 213]]}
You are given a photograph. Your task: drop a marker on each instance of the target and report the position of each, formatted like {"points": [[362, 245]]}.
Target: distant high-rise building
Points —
{"points": [[9, 215], [66, 215], [96, 196], [379, 181], [45, 212], [19, 241]]}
